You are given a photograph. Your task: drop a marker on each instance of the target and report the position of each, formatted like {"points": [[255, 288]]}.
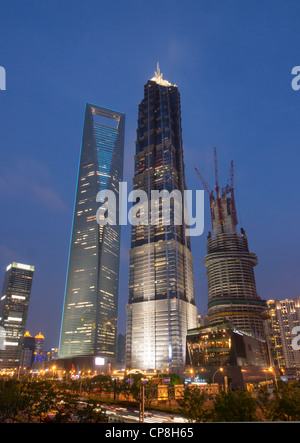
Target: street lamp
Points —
{"points": [[53, 370], [219, 369], [271, 369], [266, 372], [192, 374]]}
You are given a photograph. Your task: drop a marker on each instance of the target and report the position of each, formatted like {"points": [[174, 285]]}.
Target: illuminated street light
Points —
{"points": [[271, 369], [219, 369]]}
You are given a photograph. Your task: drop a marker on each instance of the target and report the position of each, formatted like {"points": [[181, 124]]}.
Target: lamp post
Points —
{"points": [[266, 372], [219, 369], [192, 375], [53, 371], [271, 369]]}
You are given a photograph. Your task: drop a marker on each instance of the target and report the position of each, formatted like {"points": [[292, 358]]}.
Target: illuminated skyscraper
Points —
{"points": [[89, 322], [284, 317], [13, 312], [39, 343], [161, 305]]}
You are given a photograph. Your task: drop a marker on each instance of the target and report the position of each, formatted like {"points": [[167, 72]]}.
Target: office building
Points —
{"points": [[121, 350], [284, 316], [215, 352], [89, 322], [39, 343], [161, 306], [28, 349], [13, 312]]}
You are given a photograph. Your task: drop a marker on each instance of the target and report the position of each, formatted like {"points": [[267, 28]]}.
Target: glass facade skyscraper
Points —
{"points": [[89, 322], [161, 305], [14, 305]]}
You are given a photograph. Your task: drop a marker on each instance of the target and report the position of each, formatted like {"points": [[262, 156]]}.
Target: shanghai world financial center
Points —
{"points": [[89, 323]]}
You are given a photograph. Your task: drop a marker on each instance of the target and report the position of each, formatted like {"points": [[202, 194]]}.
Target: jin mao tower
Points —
{"points": [[161, 306]]}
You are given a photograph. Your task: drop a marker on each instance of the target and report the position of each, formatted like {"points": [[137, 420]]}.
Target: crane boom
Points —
{"points": [[232, 194], [217, 189], [231, 174], [216, 173], [203, 182], [210, 193]]}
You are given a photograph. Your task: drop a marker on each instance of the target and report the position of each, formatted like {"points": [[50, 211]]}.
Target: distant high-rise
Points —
{"points": [[28, 348], [39, 343], [161, 306], [89, 322], [284, 316], [13, 312], [121, 349], [231, 282]]}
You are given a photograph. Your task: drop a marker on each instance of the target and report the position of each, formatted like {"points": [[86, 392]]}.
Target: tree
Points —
{"points": [[9, 398], [285, 405], [288, 401], [236, 406], [191, 404], [102, 383], [40, 397]]}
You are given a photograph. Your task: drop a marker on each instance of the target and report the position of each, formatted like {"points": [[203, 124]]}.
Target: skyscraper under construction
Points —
{"points": [[232, 346], [161, 305], [231, 282]]}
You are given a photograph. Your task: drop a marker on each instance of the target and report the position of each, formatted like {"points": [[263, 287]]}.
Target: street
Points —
{"points": [[120, 414]]}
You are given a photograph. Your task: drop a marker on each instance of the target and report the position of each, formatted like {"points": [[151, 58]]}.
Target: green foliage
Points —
{"points": [[101, 383], [284, 405], [32, 401], [237, 406], [191, 405]]}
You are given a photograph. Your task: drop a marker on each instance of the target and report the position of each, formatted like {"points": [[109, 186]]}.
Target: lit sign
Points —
{"points": [[237, 332], [99, 361], [129, 381], [20, 266]]}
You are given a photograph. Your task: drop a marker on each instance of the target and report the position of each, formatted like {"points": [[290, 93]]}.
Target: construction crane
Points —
{"points": [[217, 189], [232, 194], [210, 194]]}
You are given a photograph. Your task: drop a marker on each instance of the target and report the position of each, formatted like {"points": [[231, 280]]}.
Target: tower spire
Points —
{"points": [[158, 70], [158, 77]]}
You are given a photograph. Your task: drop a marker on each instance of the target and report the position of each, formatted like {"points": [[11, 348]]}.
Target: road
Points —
{"points": [[131, 415]]}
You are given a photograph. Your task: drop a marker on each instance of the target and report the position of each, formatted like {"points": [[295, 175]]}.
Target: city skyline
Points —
{"points": [[233, 67]]}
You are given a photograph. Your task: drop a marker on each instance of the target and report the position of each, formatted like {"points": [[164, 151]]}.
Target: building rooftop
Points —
{"points": [[158, 78]]}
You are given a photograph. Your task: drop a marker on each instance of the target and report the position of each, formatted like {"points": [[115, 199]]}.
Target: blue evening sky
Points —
{"points": [[232, 62]]}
